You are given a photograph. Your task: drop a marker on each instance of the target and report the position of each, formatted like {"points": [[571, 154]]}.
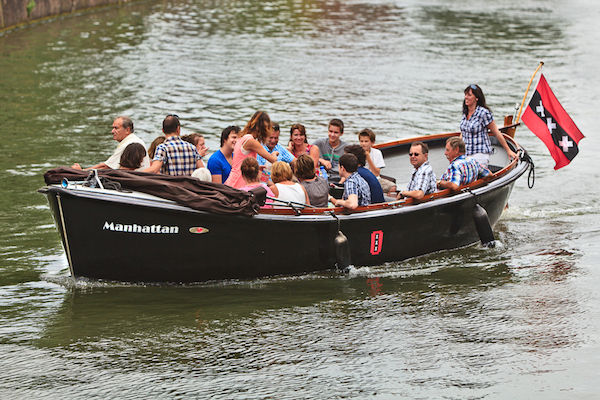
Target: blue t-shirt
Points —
{"points": [[374, 185], [218, 165]]}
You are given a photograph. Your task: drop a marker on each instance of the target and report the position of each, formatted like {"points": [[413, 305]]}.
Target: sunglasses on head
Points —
{"points": [[473, 86], [173, 115]]}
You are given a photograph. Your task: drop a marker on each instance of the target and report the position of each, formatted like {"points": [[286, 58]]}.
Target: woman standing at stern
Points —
{"points": [[477, 119]]}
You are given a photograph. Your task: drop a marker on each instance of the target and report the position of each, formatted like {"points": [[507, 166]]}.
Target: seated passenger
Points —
{"points": [[422, 181], [356, 189], [155, 142], [281, 174], [250, 171], [122, 131], [375, 162], [461, 170], [219, 163], [175, 156], [197, 140], [316, 186], [374, 185], [298, 144], [271, 145], [132, 157]]}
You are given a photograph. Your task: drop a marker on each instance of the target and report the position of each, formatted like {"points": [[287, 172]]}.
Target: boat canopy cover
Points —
{"points": [[185, 190]]}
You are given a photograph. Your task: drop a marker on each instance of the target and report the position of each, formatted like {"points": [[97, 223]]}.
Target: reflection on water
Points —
{"points": [[469, 323]]}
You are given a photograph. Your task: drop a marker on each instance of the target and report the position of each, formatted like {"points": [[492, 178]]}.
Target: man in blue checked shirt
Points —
{"points": [[422, 181], [461, 170], [272, 144], [175, 156]]}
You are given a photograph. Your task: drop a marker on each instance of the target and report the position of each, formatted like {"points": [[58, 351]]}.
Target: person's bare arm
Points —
{"points": [[351, 202], [494, 129], [154, 168]]}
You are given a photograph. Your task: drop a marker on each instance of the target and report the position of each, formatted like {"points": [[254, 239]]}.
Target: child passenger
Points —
{"points": [[375, 162], [132, 157], [316, 186], [250, 169]]}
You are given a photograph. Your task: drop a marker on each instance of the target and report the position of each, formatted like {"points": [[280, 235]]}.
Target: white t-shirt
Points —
{"points": [[113, 160], [291, 192], [377, 157]]}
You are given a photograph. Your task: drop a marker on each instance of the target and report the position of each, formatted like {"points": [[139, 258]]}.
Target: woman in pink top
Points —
{"points": [[249, 144], [299, 144], [250, 171]]}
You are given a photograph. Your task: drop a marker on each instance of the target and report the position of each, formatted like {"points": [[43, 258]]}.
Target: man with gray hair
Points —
{"points": [[461, 170], [122, 131]]}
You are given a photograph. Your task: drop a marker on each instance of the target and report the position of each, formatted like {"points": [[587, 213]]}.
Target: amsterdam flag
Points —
{"points": [[546, 118]]}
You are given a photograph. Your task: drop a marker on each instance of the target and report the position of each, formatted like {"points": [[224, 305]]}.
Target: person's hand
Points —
{"points": [[76, 166], [326, 164], [511, 155], [203, 150], [275, 153]]}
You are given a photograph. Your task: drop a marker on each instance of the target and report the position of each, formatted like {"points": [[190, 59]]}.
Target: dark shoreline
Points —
{"points": [[18, 13]]}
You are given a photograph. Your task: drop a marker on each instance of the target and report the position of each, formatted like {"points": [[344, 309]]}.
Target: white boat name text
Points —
{"points": [[135, 228]]}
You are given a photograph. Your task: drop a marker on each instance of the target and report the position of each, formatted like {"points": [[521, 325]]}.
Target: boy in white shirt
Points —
{"points": [[375, 162]]}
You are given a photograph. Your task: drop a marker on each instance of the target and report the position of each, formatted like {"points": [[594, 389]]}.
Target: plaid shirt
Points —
{"points": [[475, 133], [355, 184], [423, 179], [178, 156], [284, 154], [464, 170]]}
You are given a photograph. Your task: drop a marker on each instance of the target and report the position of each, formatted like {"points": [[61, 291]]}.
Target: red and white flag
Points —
{"points": [[546, 118]]}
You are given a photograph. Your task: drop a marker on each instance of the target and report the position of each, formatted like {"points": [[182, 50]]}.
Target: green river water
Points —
{"points": [[520, 321]]}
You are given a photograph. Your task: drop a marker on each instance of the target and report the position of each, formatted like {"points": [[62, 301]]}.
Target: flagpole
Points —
{"points": [[527, 91]]}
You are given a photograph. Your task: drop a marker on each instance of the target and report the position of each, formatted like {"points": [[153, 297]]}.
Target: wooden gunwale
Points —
{"points": [[407, 201]]}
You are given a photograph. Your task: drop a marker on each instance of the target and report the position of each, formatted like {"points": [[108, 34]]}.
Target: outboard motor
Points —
{"points": [[484, 228]]}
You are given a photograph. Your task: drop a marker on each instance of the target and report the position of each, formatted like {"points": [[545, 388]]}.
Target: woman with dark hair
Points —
{"points": [[132, 156], [252, 136], [316, 187], [219, 163], [154, 144], [197, 140], [299, 144], [477, 119], [250, 170]]}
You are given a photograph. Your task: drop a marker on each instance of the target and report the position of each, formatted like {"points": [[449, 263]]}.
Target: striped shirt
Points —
{"points": [[178, 156], [423, 179], [464, 170], [355, 184], [475, 132]]}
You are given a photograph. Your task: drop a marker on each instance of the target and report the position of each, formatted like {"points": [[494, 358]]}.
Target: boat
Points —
{"points": [[128, 235]]}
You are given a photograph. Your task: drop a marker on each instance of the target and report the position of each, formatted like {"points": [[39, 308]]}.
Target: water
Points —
{"points": [[517, 321]]}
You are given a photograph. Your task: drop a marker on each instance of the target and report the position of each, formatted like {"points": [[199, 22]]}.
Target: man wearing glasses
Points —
{"points": [[422, 181], [174, 156]]}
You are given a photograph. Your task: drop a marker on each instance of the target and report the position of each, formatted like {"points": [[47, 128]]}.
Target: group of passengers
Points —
{"points": [[302, 173]]}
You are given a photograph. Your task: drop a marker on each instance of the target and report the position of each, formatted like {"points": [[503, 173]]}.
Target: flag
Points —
{"points": [[546, 118]]}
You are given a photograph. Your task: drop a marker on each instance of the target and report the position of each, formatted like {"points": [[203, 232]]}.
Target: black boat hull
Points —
{"points": [[113, 236]]}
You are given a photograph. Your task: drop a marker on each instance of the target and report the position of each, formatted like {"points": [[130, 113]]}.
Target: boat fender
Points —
{"points": [[342, 251], [484, 228]]}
